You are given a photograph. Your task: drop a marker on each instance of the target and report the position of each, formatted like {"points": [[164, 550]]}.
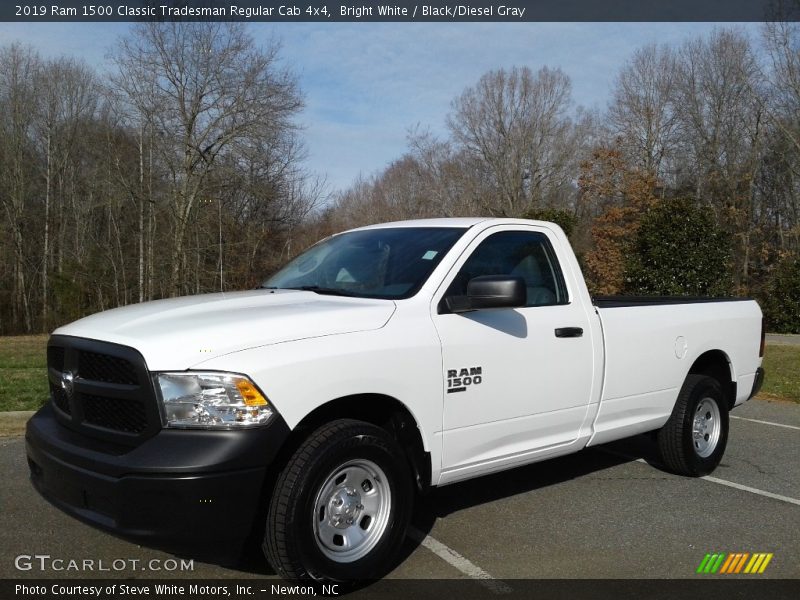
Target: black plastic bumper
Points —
{"points": [[176, 488], [759, 381]]}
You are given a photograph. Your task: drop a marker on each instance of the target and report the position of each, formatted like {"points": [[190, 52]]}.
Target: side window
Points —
{"points": [[525, 254]]}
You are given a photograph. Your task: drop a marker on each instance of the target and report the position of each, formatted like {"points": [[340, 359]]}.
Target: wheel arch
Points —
{"points": [[382, 410], [717, 365]]}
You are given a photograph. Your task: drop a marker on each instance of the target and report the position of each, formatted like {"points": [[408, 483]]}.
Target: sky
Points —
{"points": [[367, 84]]}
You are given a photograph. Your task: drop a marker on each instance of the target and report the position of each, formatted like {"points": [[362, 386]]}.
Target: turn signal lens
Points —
{"points": [[250, 395]]}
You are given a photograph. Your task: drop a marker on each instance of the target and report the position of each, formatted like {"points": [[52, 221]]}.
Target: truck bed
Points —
{"points": [[650, 344]]}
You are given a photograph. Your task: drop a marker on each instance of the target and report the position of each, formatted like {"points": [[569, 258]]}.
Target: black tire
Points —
{"points": [[681, 450], [291, 542]]}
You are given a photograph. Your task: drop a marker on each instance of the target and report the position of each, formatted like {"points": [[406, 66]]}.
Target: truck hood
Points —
{"points": [[178, 333]]}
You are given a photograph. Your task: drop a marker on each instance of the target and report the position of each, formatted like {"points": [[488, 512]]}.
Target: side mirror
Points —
{"points": [[490, 291]]}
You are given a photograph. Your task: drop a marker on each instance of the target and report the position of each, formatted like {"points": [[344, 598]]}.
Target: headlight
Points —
{"points": [[212, 400]]}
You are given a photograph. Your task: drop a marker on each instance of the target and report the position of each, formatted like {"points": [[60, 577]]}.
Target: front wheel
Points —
{"points": [[341, 506], [693, 440]]}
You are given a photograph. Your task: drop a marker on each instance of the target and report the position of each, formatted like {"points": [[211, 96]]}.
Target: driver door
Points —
{"points": [[513, 389]]}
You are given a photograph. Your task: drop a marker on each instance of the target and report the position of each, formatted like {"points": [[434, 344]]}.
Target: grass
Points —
{"points": [[782, 364], [23, 373]]}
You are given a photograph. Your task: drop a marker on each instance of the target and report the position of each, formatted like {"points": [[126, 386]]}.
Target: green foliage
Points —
{"points": [[563, 218], [781, 297], [679, 250]]}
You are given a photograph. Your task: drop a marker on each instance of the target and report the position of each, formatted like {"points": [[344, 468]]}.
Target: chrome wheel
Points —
{"points": [[706, 427], [351, 510]]}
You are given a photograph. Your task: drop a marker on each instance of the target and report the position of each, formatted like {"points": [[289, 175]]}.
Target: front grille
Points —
{"points": [[105, 368], [102, 390], [113, 413], [60, 398], [55, 357]]}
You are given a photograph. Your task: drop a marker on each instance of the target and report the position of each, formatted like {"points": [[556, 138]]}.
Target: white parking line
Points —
{"points": [[766, 422], [752, 490], [738, 486], [453, 558]]}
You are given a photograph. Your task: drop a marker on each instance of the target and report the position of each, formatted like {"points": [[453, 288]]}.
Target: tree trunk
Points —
{"points": [[141, 215], [46, 243]]}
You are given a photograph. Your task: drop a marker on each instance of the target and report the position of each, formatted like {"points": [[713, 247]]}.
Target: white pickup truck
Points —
{"points": [[379, 363]]}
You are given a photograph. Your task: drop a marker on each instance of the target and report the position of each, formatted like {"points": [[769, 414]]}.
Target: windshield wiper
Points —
{"points": [[321, 290]]}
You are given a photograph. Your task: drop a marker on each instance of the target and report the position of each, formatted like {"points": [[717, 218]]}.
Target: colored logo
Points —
{"points": [[735, 563]]}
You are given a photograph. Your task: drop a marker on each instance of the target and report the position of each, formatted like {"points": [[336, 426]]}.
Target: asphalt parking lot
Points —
{"points": [[603, 513]]}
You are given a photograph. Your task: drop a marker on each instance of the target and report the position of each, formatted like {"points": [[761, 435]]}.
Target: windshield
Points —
{"points": [[390, 263]]}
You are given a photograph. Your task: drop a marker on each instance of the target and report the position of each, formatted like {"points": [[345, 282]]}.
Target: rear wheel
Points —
{"points": [[341, 506], [694, 438]]}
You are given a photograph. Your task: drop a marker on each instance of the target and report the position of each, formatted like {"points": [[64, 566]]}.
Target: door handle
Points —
{"points": [[568, 332]]}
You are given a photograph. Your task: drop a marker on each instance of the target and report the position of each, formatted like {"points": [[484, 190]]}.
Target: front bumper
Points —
{"points": [[177, 488]]}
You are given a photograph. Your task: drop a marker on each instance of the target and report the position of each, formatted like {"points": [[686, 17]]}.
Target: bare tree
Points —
{"points": [[183, 174], [67, 99], [18, 96], [721, 127], [781, 175], [516, 123], [207, 88], [642, 112]]}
